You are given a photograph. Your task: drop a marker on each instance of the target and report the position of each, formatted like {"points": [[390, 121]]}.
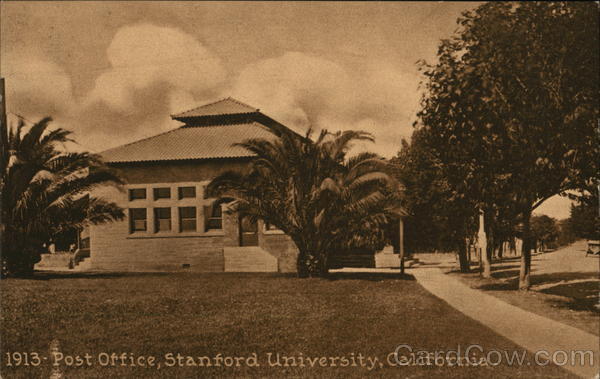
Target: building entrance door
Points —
{"points": [[248, 232]]}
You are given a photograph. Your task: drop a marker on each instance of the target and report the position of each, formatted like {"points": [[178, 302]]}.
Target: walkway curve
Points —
{"points": [[531, 331]]}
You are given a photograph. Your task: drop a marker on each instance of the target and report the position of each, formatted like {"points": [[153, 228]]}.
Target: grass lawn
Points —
{"points": [[238, 315], [567, 297]]}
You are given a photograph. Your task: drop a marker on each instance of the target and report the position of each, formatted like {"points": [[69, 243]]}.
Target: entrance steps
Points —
{"points": [[84, 265], [54, 262]]}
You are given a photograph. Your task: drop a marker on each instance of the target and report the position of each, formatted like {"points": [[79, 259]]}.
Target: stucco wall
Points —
{"points": [[279, 245]]}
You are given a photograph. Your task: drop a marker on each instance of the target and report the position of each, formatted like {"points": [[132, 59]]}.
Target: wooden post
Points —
{"points": [[401, 243]]}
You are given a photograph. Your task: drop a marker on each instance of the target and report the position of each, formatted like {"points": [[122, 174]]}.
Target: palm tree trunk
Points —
{"points": [[323, 265], [309, 264], [301, 264]]}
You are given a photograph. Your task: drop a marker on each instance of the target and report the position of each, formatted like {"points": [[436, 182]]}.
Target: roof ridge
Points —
{"points": [[213, 103], [242, 103], [200, 106]]}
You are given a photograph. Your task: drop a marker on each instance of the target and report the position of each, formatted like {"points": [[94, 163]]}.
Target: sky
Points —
{"points": [[113, 72]]}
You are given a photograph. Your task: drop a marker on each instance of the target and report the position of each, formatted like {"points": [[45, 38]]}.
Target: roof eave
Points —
{"points": [[214, 119], [175, 160]]}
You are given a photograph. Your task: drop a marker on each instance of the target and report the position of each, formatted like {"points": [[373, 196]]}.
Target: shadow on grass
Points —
{"points": [[582, 296], [561, 276], [370, 276], [504, 274], [508, 259], [511, 285], [499, 268], [536, 279], [51, 275]]}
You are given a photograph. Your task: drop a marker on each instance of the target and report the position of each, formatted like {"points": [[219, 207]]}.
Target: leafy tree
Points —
{"points": [[439, 218], [566, 236], [513, 102], [544, 231], [45, 191], [325, 201], [585, 219]]}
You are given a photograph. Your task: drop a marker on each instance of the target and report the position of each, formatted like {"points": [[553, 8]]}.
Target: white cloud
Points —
{"points": [[182, 100], [157, 71], [287, 87], [143, 55], [35, 85], [299, 89]]}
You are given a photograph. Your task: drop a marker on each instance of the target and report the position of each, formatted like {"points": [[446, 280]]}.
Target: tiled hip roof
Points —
{"points": [[190, 143]]}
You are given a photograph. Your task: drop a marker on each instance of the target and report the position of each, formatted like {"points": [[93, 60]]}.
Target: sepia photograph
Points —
{"points": [[299, 189]]}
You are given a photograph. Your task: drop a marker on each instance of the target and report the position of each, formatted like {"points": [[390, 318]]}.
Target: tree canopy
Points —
{"points": [[510, 110], [45, 191], [324, 200]]}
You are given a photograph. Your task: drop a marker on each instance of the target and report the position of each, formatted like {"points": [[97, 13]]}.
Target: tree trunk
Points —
{"points": [[486, 266], [463, 259], [402, 262], [483, 243], [525, 269], [322, 265], [301, 264], [311, 264], [469, 257]]}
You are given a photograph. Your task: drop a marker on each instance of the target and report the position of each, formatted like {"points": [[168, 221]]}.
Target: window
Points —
{"points": [[162, 219], [137, 220], [187, 219], [214, 216], [137, 193], [162, 193], [187, 192]]}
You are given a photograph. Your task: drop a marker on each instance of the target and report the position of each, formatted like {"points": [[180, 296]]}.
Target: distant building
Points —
{"points": [[171, 225]]}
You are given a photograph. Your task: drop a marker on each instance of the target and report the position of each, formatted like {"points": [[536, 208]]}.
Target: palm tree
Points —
{"points": [[325, 201], [45, 191]]}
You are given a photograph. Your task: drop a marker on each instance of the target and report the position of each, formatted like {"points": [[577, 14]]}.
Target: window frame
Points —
{"points": [[157, 220], [156, 191], [132, 198], [132, 219], [182, 219], [215, 206], [180, 194]]}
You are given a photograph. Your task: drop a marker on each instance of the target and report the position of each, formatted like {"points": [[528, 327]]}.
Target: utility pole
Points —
{"points": [[3, 121], [3, 105], [4, 160]]}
